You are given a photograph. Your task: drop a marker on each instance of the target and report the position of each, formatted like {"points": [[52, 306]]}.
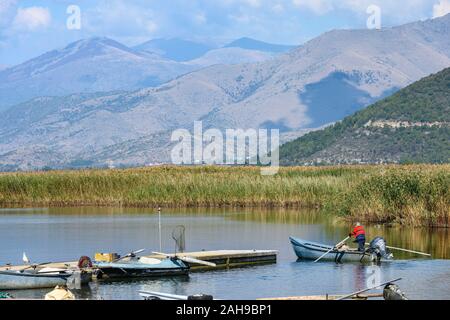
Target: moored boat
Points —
{"points": [[141, 267], [33, 279], [308, 250]]}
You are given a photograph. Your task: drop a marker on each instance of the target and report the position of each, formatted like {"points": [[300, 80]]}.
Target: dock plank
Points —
{"points": [[230, 258]]}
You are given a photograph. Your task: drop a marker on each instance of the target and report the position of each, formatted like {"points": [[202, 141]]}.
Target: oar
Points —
{"points": [[197, 261], [406, 250], [187, 259], [34, 266], [368, 289], [336, 246], [131, 254]]}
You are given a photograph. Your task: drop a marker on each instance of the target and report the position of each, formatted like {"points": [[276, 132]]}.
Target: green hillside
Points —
{"points": [[412, 125]]}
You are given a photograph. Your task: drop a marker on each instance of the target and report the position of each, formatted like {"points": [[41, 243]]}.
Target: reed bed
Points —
{"points": [[412, 195]]}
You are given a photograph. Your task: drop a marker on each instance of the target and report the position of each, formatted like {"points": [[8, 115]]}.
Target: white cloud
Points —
{"points": [[6, 9], [441, 9], [5, 5], [278, 8], [397, 10], [253, 3], [121, 19], [317, 6], [200, 18], [31, 18]]}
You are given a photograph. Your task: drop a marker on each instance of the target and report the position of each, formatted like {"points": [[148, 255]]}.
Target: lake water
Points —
{"points": [[65, 234]]}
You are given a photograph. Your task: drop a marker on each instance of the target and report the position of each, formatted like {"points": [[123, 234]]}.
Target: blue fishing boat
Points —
{"points": [[308, 250]]}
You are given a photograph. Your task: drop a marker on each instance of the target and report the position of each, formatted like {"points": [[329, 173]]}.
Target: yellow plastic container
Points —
{"points": [[106, 257]]}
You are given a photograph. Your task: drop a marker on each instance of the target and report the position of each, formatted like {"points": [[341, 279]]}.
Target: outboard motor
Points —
{"points": [[200, 297], [379, 249], [393, 292]]}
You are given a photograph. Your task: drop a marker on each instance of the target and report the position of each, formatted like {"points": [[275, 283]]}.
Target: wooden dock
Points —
{"points": [[230, 258], [222, 258]]}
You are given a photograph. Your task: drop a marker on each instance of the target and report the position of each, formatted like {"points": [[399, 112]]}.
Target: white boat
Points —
{"points": [[37, 279]]}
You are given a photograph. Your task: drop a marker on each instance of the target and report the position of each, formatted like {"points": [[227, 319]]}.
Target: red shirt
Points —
{"points": [[359, 230]]}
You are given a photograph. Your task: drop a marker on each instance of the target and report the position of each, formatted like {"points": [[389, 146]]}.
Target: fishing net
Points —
{"points": [[178, 234]]}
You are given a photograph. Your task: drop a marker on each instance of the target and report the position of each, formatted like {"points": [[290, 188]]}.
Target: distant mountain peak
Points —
{"points": [[84, 49], [96, 46]]}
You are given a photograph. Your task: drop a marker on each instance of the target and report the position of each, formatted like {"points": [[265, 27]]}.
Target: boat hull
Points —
{"points": [[18, 281], [307, 250], [133, 273], [166, 268]]}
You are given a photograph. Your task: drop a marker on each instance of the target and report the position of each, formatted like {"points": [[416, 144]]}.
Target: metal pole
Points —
{"points": [[159, 223]]}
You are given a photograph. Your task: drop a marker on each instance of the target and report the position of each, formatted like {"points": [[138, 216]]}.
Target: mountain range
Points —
{"points": [[318, 83], [102, 64], [411, 126]]}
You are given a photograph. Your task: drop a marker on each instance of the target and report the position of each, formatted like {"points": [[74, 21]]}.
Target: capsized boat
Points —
{"points": [[38, 279], [308, 250], [137, 267]]}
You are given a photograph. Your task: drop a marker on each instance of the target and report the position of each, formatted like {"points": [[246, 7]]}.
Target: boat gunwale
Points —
{"points": [[140, 269], [34, 275]]}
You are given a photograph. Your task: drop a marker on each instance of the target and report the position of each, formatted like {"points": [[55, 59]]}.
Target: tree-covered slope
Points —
{"points": [[412, 125]]}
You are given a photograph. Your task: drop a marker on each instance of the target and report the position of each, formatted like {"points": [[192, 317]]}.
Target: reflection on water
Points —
{"points": [[68, 233], [433, 241]]}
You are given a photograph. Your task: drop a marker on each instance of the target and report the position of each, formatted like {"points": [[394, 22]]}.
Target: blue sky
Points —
{"points": [[31, 27]]}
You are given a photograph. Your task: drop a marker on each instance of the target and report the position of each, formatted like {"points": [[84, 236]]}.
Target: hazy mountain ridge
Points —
{"points": [[93, 65], [232, 55], [375, 63], [102, 65]]}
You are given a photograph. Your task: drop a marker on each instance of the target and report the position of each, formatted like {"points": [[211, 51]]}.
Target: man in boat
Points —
{"points": [[360, 236]]}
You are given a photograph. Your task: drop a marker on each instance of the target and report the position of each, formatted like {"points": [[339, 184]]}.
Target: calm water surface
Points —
{"points": [[67, 233]]}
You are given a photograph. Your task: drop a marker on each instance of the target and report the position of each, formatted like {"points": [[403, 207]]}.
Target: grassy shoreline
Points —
{"points": [[416, 195]]}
